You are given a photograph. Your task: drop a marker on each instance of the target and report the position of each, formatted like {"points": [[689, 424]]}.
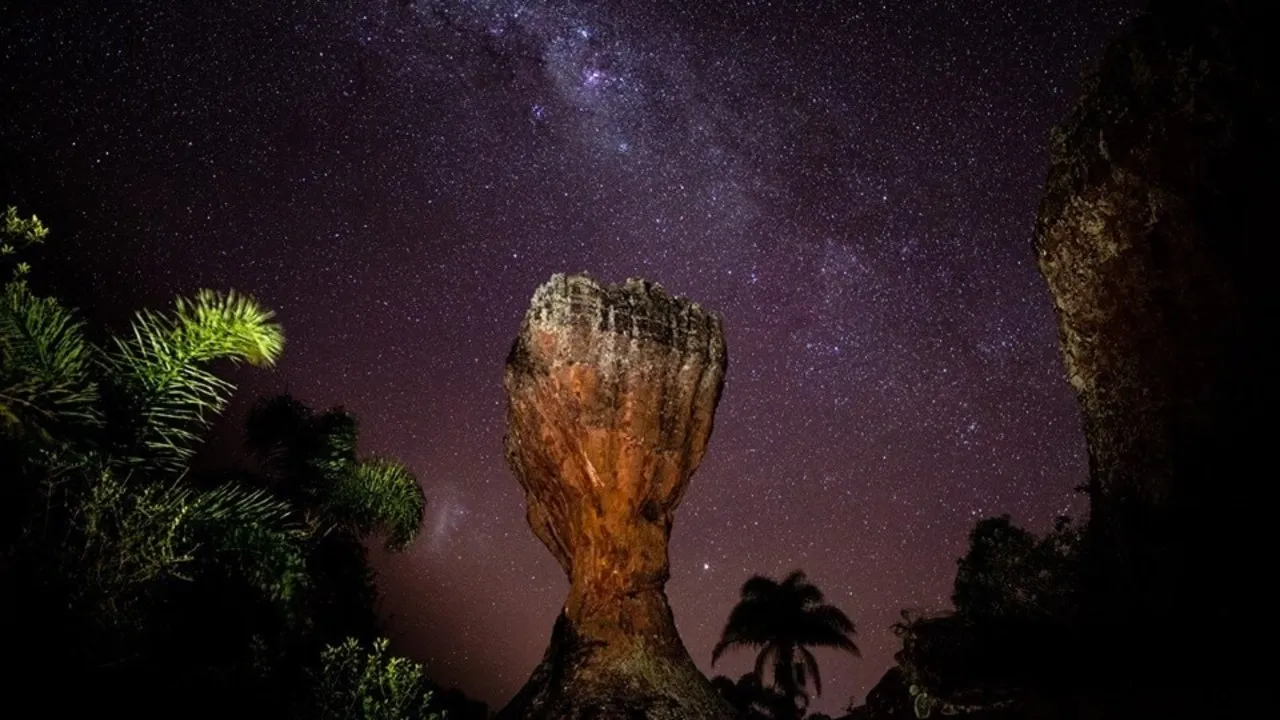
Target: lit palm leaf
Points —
{"points": [[312, 457], [45, 366], [251, 531], [379, 496], [167, 394]]}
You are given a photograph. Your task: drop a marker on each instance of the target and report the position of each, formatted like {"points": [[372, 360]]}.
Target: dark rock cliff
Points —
{"points": [[1151, 236]]}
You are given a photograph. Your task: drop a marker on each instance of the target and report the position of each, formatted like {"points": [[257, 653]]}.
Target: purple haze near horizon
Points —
{"points": [[852, 184]]}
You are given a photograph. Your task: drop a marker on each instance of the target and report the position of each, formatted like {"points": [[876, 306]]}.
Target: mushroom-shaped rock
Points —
{"points": [[1155, 235], [611, 395]]}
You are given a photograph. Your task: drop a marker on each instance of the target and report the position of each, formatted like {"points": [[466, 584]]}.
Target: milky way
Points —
{"points": [[852, 184]]}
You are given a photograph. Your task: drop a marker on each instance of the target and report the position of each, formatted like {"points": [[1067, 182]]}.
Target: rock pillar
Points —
{"points": [[1152, 236], [611, 396]]}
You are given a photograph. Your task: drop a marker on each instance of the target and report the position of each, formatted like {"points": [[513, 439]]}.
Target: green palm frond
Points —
{"points": [[45, 364], [379, 495], [312, 458], [251, 532], [228, 325], [169, 394], [233, 503]]}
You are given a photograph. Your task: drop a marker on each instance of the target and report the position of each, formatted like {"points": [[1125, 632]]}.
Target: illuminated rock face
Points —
{"points": [[611, 396], [1159, 204]]}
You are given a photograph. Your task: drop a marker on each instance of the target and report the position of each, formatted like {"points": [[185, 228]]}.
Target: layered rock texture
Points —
{"points": [[611, 393], [1151, 235]]}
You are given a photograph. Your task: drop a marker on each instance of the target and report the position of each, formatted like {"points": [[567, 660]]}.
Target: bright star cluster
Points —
{"points": [[852, 184]]}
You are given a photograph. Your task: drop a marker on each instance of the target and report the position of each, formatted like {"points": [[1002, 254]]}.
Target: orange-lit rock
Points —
{"points": [[611, 396]]}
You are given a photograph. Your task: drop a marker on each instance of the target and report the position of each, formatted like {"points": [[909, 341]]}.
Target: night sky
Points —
{"points": [[852, 184]]}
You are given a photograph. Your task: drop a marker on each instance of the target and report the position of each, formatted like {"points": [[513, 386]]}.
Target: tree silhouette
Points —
{"points": [[1015, 627], [1009, 572], [783, 621]]}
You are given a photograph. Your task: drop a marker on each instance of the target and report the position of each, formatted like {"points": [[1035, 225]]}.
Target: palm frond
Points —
{"points": [[229, 325], [135, 535], [233, 503], [252, 533], [732, 642], [751, 624], [801, 593], [768, 657], [827, 626], [168, 394], [783, 620], [759, 587], [45, 365], [809, 665], [380, 495]]}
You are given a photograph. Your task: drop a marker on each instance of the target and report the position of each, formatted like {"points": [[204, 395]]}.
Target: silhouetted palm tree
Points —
{"points": [[783, 620]]}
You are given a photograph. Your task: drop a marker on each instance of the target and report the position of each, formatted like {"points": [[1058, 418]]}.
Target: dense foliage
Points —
{"points": [[752, 699], [165, 592], [1016, 604], [355, 684]]}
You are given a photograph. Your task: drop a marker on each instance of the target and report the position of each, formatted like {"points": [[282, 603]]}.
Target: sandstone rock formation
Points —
{"points": [[611, 396], [1151, 235]]}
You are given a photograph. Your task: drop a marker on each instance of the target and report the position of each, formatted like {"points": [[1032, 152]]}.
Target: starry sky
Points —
{"points": [[851, 183]]}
